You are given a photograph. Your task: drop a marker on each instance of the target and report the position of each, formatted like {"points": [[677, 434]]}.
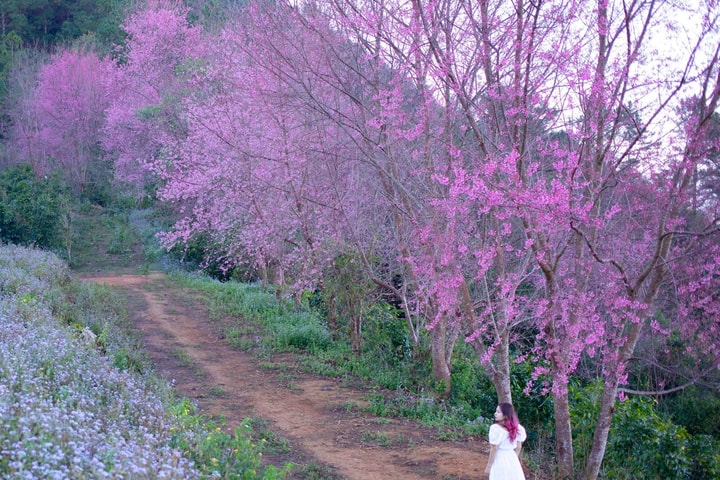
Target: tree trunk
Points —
{"points": [[356, 332], [332, 316], [279, 283], [498, 369], [602, 430], [264, 275], [440, 364], [563, 436], [501, 374], [607, 407]]}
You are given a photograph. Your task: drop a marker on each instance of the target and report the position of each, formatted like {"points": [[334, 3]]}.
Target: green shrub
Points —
{"points": [[470, 384], [697, 409], [534, 406], [316, 471], [704, 453], [123, 237], [217, 453], [346, 293], [386, 336], [33, 211], [308, 336], [203, 252], [642, 443]]}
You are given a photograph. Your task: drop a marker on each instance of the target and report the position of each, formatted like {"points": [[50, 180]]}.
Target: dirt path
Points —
{"points": [[320, 418]]}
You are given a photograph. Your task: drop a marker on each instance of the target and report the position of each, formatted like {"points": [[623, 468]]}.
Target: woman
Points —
{"points": [[506, 437]]}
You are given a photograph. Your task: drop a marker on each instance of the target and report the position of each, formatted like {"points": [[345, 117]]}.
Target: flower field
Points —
{"points": [[65, 410], [77, 401]]}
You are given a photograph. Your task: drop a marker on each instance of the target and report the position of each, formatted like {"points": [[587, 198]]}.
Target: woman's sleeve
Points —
{"points": [[495, 436], [522, 434]]}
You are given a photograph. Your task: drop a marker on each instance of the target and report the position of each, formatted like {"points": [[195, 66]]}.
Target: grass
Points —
{"points": [[217, 392], [240, 338], [103, 237], [378, 439], [118, 238], [183, 357], [274, 366], [382, 439], [261, 320], [271, 442], [316, 471], [288, 380], [349, 406]]}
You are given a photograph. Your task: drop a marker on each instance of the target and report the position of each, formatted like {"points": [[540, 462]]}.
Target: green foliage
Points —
{"points": [[451, 421], [10, 42], [472, 388], [33, 211], [704, 453], [316, 471], [378, 439], [200, 252], [44, 22], [386, 357], [303, 333], [270, 441], [99, 309], [697, 409], [386, 336], [98, 189], [346, 291], [217, 453], [114, 237], [124, 360], [123, 237], [533, 405], [470, 385], [284, 327], [642, 444]]}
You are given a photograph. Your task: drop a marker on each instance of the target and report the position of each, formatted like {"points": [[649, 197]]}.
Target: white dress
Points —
{"points": [[506, 465]]}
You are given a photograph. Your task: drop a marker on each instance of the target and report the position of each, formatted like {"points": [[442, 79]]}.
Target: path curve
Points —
{"points": [[314, 414]]}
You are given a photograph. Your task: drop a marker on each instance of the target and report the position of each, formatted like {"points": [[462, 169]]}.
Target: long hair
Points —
{"points": [[511, 422]]}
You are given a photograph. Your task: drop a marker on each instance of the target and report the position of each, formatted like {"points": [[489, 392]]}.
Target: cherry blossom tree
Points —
{"points": [[358, 94], [516, 163], [67, 112], [143, 118], [21, 116], [541, 96]]}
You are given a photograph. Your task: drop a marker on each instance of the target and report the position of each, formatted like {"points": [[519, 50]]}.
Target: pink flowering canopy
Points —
{"points": [[67, 112], [518, 166]]}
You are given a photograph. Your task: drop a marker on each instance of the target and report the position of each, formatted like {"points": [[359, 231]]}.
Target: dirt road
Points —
{"points": [[322, 420]]}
